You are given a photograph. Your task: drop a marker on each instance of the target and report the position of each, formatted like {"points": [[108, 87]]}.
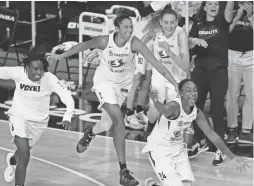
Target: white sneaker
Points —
{"points": [[142, 117], [151, 182], [132, 122], [9, 173]]}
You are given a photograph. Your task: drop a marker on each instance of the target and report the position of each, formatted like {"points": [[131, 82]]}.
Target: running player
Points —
{"points": [[170, 46], [112, 82], [29, 113], [165, 145]]}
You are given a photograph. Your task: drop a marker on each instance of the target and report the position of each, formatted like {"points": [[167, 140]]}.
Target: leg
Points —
{"points": [[200, 79], [246, 136], [234, 86], [144, 89], [23, 153], [219, 85], [248, 103]]}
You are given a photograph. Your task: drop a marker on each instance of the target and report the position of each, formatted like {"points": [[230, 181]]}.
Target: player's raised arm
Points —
{"points": [[170, 110], [139, 47], [99, 42]]}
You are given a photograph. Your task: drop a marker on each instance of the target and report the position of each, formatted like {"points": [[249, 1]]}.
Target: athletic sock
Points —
{"points": [[122, 165], [91, 134]]}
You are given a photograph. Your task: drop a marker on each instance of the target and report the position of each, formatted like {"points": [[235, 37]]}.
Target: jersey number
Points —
{"points": [[162, 176]]}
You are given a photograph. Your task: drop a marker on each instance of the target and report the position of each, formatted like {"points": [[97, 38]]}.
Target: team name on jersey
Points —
{"points": [[30, 88], [209, 32], [111, 53]]}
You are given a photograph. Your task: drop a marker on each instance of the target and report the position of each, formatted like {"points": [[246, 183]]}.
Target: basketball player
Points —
{"points": [[165, 145], [29, 113], [112, 82], [170, 46]]}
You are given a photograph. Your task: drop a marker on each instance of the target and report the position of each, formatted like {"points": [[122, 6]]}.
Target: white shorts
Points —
{"points": [[142, 65], [23, 128], [171, 170], [166, 91]]}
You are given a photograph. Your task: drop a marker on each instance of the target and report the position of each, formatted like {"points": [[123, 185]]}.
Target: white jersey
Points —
{"points": [[161, 55], [32, 99], [168, 134], [118, 66]]}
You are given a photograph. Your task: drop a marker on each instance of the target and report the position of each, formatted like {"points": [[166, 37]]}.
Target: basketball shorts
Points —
{"points": [[171, 170], [166, 90], [142, 65], [108, 92], [23, 128]]}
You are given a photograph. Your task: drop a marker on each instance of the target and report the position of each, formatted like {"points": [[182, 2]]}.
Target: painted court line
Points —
{"points": [[61, 167]]}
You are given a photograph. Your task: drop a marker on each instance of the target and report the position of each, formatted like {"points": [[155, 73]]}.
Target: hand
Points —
{"points": [[165, 46], [200, 42], [50, 57], [153, 94], [65, 124], [241, 163], [249, 9]]}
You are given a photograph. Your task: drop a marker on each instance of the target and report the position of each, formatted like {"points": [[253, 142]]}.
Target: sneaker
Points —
{"points": [[151, 182], [232, 136], [127, 179], [142, 117], [9, 173], [132, 122], [84, 141], [246, 138], [197, 149], [219, 158]]}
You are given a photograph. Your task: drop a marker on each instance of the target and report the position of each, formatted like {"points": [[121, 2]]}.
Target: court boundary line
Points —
{"points": [[107, 137], [60, 167]]}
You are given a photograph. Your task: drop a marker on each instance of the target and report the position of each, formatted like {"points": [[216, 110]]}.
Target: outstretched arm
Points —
{"points": [[9, 73], [212, 135], [97, 42], [138, 46]]}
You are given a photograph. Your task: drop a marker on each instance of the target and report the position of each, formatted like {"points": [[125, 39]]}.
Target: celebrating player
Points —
{"points": [[29, 113], [165, 145]]}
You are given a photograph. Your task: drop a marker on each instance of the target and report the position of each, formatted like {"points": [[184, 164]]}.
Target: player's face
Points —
{"points": [[189, 93], [212, 8], [35, 70], [125, 29], [168, 24]]}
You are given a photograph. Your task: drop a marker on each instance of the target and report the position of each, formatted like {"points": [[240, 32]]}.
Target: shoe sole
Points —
{"points": [[8, 164], [202, 150], [245, 141], [220, 164], [232, 142]]}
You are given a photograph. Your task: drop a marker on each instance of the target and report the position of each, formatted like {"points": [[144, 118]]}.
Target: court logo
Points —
{"points": [[116, 63], [163, 54]]}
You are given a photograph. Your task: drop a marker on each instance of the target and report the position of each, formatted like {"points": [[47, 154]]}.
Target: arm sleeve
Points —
{"points": [[9, 73], [64, 95]]}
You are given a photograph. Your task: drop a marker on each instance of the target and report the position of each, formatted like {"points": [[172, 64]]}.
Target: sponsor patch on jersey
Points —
{"points": [[163, 54], [116, 63]]}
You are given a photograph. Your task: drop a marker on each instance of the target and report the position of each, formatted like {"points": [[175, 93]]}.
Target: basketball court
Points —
{"points": [[55, 162]]}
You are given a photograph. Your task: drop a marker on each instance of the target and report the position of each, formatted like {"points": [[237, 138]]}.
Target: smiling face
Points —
{"points": [[189, 93], [125, 29], [35, 70], [212, 8], [168, 24]]}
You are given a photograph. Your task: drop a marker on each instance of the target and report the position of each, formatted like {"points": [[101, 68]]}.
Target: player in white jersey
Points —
{"points": [[170, 46], [29, 113], [112, 81], [165, 145]]}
